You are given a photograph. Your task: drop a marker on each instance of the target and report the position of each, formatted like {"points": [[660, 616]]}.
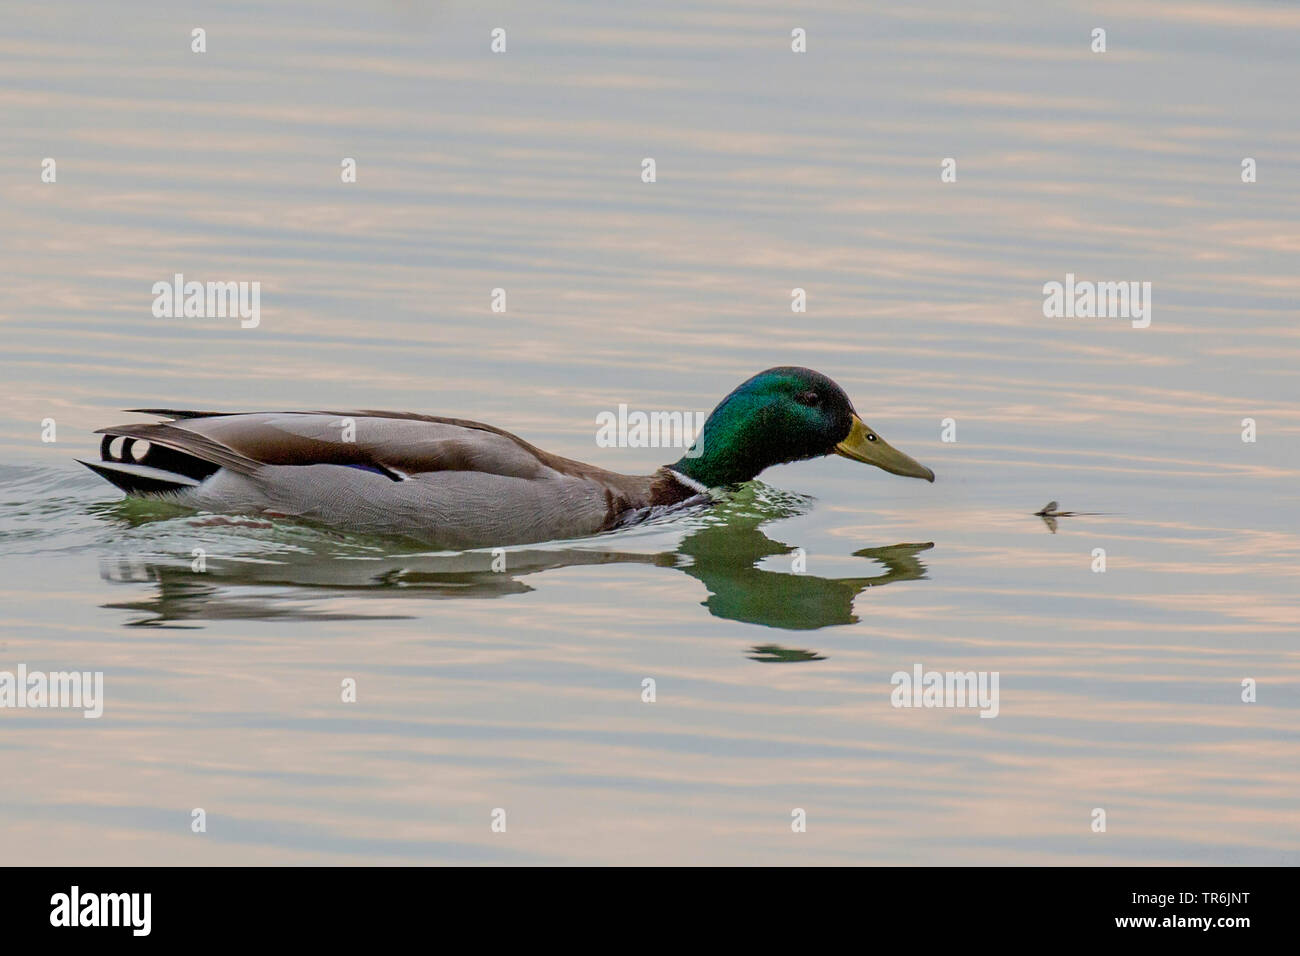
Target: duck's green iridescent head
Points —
{"points": [[786, 414]]}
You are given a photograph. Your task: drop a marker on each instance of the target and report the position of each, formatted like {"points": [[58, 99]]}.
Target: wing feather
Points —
{"points": [[398, 444]]}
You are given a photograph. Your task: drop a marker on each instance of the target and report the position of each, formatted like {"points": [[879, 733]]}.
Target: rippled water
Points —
{"points": [[522, 690]]}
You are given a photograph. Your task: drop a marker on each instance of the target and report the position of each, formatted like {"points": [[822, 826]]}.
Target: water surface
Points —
{"points": [[522, 689]]}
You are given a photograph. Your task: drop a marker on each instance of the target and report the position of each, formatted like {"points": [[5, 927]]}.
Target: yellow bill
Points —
{"points": [[864, 445]]}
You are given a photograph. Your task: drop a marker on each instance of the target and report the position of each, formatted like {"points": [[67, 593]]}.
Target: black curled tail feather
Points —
{"points": [[174, 448], [161, 459]]}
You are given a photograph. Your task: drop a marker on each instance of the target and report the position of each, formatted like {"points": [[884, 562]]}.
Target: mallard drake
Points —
{"points": [[463, 484]]}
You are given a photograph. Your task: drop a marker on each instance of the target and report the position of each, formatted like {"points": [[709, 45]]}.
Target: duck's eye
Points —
{"points": [[809, 398], [870, 437]]}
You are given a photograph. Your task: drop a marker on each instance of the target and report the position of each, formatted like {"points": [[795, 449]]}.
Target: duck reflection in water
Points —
{"points": [[723, 548]]}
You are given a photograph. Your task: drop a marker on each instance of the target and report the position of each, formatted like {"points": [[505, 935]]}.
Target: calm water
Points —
{"points": [[522, 690]]}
